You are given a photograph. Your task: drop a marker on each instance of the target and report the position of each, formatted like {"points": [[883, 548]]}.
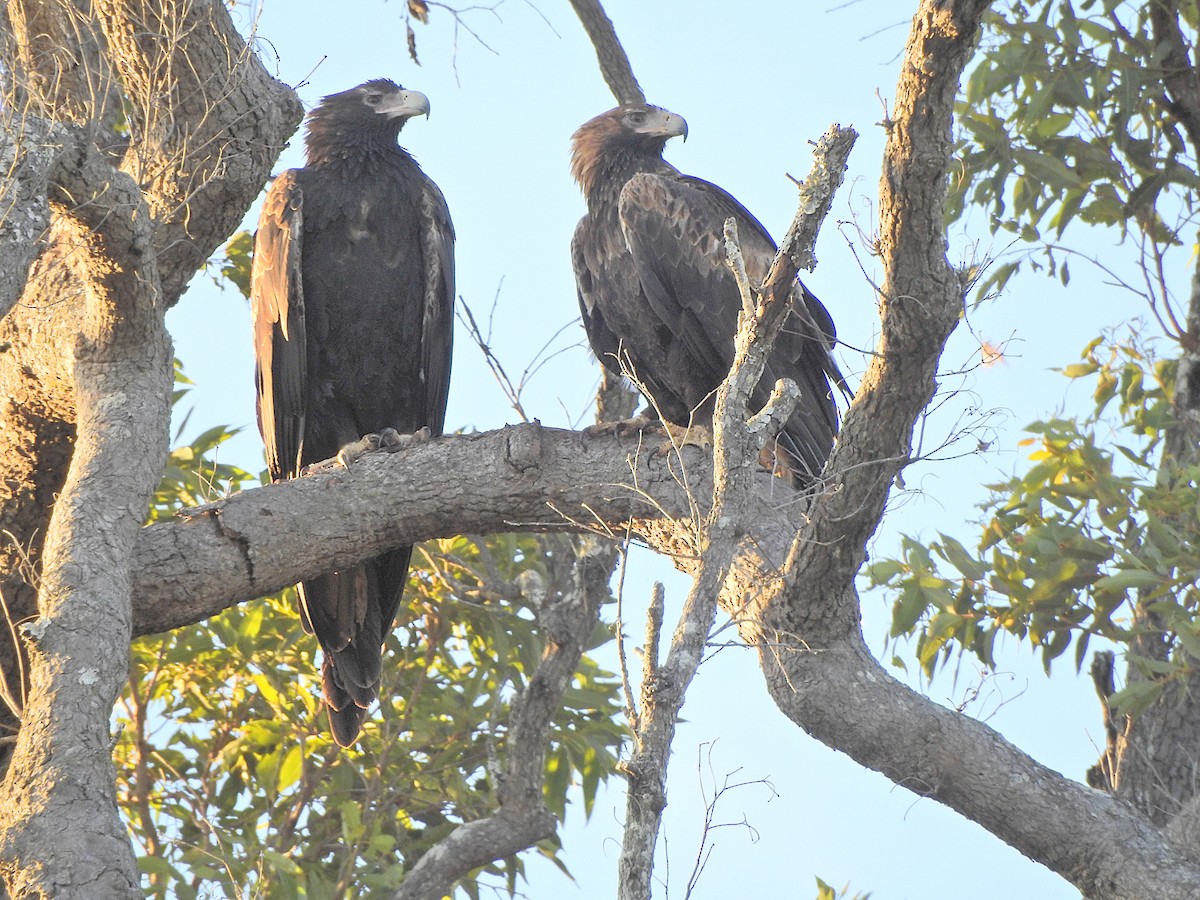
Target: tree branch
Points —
{"points": [[523, 819], [124, 242], [467, 483], [1179, 72], [805, 624], [614, 64], [520, 478], [61, 771]]}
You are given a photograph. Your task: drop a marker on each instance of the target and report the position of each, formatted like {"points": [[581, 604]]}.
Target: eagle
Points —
{"points": [[352, 295], [659, 302]]}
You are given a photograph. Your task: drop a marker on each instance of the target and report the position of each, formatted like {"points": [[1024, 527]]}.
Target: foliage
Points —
{"points": [[1066, 548], [827, 892], [230, 782], [236, 264], [1065, 119]]}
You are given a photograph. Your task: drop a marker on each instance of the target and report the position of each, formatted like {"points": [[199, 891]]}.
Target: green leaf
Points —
{"points": [[1136, 697], [1128, 579], [958, 557], [290, 768], [908, 609]]}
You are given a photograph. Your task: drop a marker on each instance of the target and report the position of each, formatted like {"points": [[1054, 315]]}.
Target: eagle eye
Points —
{"points": [[637, 118], [372, 99]]}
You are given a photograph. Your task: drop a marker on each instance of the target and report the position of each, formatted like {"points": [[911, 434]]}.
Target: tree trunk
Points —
{"points": [[86, 368]]}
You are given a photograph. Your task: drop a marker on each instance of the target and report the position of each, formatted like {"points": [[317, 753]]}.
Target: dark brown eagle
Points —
{"points": [[658, 299], [352, 298]]}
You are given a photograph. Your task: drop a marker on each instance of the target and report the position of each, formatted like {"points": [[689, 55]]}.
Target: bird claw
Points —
{"points": [[687, 436], [352, 451], [625, 427], [389, 440]]}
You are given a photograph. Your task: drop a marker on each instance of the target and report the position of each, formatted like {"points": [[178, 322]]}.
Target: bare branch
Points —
{"points": [[523, 818], [614, 64]]}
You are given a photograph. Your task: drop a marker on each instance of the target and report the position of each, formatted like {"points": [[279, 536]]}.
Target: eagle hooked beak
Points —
{"points": [[404, 105], [662, 123], [675, 126]]}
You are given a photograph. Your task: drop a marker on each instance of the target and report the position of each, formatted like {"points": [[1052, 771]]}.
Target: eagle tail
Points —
{"points": [[351, 613]]}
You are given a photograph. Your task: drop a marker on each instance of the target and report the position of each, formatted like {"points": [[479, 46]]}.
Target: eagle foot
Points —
{"points": [[389, 440], [626, 427]]}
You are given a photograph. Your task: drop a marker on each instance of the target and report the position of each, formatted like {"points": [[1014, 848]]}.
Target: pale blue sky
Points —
{"points": [[757, 82]]}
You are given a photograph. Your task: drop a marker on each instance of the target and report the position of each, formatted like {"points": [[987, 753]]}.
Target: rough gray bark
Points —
{"points": [[61, 773], [87, 373], [29, 148]]}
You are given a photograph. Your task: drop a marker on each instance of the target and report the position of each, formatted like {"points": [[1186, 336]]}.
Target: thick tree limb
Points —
{"points": [[217, 122], [521, 478], [61, 772], [481, 483], [1179, 70]]}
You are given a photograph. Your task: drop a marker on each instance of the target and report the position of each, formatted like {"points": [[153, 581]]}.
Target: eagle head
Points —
{"points": [[634, 131], [371, 113]]}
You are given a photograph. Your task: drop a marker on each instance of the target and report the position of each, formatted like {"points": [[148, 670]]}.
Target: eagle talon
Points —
{"points": [[676, 437], [389, 440], [392, 441], [355, 449], [624, 428]]}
